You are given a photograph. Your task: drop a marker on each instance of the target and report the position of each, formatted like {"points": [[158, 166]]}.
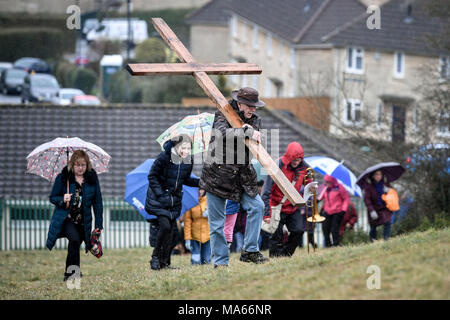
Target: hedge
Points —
{"points": [[44, 43]]}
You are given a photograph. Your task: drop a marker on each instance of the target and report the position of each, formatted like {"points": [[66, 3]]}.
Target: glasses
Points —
{"points": [[80, 165]]}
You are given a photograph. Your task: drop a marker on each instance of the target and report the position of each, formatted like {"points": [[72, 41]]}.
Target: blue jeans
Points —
{"points": [[200, 252], [386, 232], [216, 209], [239, 239]]}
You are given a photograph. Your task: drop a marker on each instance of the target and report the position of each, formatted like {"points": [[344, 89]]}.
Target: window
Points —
{"points": [[255, 82], [379, 115], [444, 124], [444, 67], [353, 109], [355, 60], [268, 88], [292, 58], [255, 37], [233, 26], [399, 65], [269, 44]]}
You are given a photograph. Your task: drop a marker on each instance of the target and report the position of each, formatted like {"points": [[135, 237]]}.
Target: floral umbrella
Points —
{"points": [[48, 159], [197, 127]]}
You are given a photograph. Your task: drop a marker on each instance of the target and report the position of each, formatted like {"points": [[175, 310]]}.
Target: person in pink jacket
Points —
{"points": [[336, 201]]}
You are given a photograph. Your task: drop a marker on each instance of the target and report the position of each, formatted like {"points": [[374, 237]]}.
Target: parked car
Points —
{"points": [[11, 80], [65, 95], [5, 65], [86, 100], [32, 64], [39, 87]]}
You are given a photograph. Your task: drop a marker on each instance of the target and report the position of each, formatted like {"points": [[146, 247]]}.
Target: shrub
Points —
{"points": [[44, 43], [84, 79], [151, 50]]}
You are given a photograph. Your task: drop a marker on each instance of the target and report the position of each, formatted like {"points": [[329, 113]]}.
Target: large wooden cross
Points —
{"points": [[200, 72]]}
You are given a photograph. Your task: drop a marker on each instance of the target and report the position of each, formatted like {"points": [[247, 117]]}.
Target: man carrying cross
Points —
{"points": [[228, 175]]}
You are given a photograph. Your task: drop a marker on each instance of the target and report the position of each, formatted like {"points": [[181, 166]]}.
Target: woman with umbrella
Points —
{"points": [[169, 172], [375, 182], [72, 216]]}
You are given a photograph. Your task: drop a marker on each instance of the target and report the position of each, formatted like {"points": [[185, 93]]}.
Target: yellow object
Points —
{"points": [[196, 226], [391, 200]]}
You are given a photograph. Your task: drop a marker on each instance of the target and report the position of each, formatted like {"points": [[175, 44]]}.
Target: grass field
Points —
{"points": [[415, 266]]}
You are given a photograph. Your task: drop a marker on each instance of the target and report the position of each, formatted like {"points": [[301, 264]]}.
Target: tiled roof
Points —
{"points": [[397, 33], [337, 22], [214, 12], [127, 133]]}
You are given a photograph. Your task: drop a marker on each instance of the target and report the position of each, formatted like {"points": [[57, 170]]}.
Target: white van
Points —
{"points": [[117, 29]]}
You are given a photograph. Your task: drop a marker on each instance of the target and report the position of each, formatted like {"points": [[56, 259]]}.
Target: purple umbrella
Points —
{"points": [[391, 171]]}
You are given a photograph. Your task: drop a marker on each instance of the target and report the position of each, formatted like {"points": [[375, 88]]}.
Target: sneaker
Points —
{"points": [[154, 263], [255, 257]]}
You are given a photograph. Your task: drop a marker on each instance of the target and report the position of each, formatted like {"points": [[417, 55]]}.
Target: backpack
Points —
{"points": [[391, 200]]}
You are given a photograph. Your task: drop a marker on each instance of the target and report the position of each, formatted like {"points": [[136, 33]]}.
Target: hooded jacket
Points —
{"points": [[336, 197], [272, 194], [196, 226], [92, 198], [165, 183], [220, 177]]}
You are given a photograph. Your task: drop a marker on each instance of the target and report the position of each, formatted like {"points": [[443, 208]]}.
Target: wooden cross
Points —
{"points": [[200, 72]]}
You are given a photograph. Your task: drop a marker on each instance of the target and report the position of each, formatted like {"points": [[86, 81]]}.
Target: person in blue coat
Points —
{"points": [[170, 170], [72, 216]]}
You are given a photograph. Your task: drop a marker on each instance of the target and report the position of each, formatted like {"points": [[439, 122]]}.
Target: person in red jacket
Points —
{"points": [[294, 168], [349, 219], [336, 202]]}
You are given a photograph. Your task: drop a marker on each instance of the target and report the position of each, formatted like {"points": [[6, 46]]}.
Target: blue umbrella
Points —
{"points": [[137, 185], [325, 165]]}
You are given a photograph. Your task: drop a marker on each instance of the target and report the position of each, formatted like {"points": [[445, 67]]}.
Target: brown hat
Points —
{"points": [[248, 96]]}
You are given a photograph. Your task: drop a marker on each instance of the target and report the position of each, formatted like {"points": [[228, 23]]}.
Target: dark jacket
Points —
{"points": [[371, 201], [224, 180], [92, 197], [165, 183], [350, 217]]}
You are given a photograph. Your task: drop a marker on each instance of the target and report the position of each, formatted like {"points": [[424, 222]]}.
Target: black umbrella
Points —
{"points": [[391, 171]]}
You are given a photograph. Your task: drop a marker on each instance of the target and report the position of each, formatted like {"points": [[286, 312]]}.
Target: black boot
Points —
{"points": [[154, 263]]}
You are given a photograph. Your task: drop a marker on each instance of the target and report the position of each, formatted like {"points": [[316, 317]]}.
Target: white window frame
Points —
{"points": [[353, 103], [399, 56], [233, 26], [269, 44], [350, 66], [268, 88], [255, 37], [444, 62], [255, 82], [292, 57]]}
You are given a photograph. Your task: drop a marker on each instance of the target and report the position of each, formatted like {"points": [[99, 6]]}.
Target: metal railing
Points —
{"points": [[24, 225]]}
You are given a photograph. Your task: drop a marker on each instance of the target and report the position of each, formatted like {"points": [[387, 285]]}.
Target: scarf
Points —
{"points": [[379, 187]]}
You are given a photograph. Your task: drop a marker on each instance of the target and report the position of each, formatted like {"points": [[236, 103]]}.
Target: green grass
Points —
{"points": [[414, 266]]}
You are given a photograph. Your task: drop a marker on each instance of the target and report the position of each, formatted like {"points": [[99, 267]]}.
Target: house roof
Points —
{"points": [[335, 22], [399, 31], [214, 12], [128, 134]]}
